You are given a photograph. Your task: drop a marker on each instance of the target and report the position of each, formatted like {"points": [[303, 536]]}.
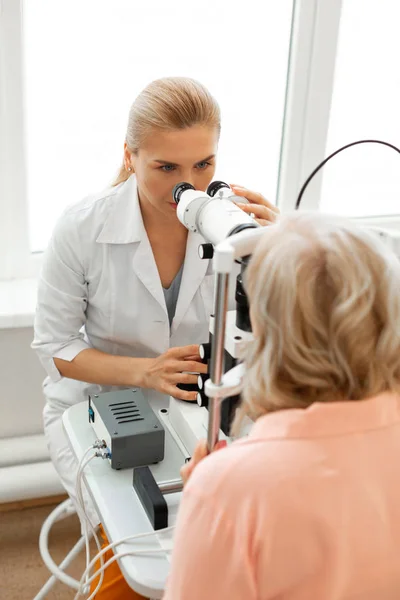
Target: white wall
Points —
{"points": [[25, 468], [21, 398]]}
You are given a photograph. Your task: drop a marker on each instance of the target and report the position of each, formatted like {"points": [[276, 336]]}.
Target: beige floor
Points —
{"points": [[22, 572]]}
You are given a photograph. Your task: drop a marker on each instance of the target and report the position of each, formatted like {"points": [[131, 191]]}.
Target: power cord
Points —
{"points": [[102, 452], [117, 556], [303, 189]]}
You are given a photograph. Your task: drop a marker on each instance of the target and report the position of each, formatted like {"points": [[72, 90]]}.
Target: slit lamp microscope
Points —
{"points": [[231, 236]]}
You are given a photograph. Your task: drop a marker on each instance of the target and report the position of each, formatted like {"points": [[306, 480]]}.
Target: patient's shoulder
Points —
{"points": [[229, 471]]}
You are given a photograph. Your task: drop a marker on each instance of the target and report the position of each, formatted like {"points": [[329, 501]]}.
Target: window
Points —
{"points": [[365, 180], [85, 62], [69, 72]]}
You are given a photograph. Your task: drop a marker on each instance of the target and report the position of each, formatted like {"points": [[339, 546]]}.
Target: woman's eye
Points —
{"points": [[167, 168], [203, 165]]}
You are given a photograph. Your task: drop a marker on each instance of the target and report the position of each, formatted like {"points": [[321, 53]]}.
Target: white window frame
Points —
{"points": [[315, 32], [16, 260], [308, 99], [312, 59]]}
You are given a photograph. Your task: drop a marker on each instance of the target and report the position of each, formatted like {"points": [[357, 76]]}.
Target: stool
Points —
{"points": [[63, 510]]}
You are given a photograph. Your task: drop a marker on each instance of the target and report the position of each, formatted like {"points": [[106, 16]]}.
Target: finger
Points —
{"points": [[255, 197], [181, 394], [263, 222], [186, 471], [251, 207], [221, 444], [187, 378], [259, 211], [188, 365], [201, 450], [183, 351]]}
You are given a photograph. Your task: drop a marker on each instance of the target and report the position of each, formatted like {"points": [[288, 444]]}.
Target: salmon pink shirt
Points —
{"points": [[307, 507]]}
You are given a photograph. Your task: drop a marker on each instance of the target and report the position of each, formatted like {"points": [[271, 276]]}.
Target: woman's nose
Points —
{"points": [[188, 178]]}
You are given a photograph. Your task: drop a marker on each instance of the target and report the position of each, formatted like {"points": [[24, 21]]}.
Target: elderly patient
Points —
{"points": [[307, 507]]}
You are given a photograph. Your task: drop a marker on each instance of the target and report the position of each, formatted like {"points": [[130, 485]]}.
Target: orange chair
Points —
{"points": [[114, 586]]}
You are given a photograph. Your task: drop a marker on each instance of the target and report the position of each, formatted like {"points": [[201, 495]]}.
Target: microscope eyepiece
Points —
{"points": [[179, 189], [215, 186]]}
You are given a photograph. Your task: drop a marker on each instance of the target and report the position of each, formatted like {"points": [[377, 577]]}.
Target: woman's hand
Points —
{"points": [[177, 365], [200, 452], [264, 212]]}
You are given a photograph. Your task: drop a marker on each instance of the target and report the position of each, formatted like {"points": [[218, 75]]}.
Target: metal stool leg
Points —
{"points": [[79, 546], [62, 511]]}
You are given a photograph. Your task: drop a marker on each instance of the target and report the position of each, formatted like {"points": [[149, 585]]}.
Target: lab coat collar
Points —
{"points": [[194, 271], [124, 223]]}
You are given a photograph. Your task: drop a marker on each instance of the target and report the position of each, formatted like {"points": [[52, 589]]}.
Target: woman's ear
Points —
{"points": [[128, 159]]}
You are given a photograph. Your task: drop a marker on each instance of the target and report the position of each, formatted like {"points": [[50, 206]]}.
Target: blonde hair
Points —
{"points": [[325, 306], [168, 104]]}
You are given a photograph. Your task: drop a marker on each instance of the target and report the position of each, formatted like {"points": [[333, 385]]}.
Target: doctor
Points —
{"points": [[124, 299]]}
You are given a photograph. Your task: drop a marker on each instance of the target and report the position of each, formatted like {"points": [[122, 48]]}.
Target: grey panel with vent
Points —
{"points": [[137, 436]]}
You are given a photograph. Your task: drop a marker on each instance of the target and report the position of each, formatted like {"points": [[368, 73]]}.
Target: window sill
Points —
{"points": [[18, 296], [17, 303], [386, 222]]}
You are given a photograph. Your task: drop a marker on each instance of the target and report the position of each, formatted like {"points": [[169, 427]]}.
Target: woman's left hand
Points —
{"points": [[265, 213]]}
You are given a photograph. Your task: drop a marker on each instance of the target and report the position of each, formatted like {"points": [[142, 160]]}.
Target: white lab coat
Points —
{"points": [[100, 288]]}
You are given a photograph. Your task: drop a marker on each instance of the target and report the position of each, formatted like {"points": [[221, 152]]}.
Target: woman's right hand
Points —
{"points": [[177, 365]]}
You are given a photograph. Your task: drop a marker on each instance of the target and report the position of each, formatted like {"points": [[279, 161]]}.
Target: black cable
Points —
{"points": [[303, 189]]}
